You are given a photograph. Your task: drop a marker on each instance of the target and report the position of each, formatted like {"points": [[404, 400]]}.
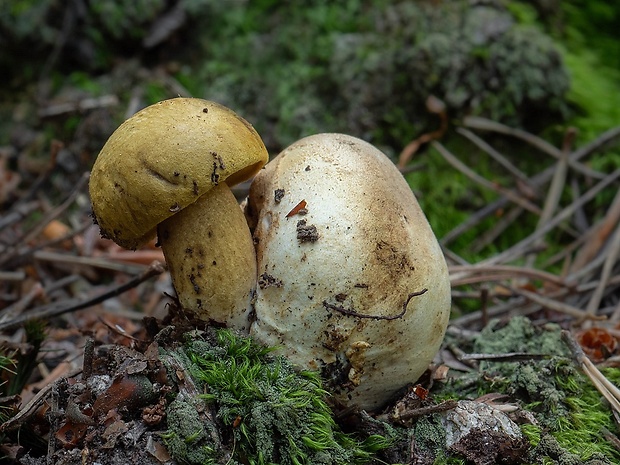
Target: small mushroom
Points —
{"points": [[363, 289], [168, 169]]}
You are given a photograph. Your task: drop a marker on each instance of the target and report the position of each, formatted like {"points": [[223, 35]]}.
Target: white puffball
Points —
{"points": [[354, 284]]}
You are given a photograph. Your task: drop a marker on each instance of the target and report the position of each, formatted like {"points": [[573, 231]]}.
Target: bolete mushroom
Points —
{"points": [[352, 280], [168, 169]]}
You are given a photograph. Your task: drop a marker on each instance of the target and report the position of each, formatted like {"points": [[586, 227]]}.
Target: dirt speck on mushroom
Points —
{"points": [[306, 232], [278, 195], [266, 280]]}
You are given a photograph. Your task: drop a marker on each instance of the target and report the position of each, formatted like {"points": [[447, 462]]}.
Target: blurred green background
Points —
{"points": [[295, 68]]}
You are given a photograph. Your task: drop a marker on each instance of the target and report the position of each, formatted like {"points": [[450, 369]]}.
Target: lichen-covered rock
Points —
{"points": [[483, 434]]}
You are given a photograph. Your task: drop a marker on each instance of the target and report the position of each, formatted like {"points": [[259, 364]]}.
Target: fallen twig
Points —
{"points": [[517, 249], [459, 165], [596, 237], [18, 213], [422, 411], [14, 250], [476, 122], [79, 105], [505, 221], [104, 263], [349, 312], [433, 105], [31, 407], [555, 190], [507, 357], [502, 160], [470, 274], [556, 305], [59, 308], [18, 307], [610, 262]]}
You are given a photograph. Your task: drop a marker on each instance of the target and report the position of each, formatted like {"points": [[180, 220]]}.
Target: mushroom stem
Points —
{"points": [[211, 258]]}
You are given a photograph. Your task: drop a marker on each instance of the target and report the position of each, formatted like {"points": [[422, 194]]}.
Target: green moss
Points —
{"points": [[532, 432], [550, 452], [565, 404], [189, 438], [594, 94], [587, 36], [589, 415], [519, 335], [268, 412], [430, 437], [589, 45]]}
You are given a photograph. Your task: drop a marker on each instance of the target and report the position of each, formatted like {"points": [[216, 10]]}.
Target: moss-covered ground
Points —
{"points": [[571, 417], [267, 412]]}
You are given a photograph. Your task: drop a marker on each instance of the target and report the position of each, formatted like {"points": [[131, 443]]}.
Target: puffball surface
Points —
{"points": [[352, 280]]}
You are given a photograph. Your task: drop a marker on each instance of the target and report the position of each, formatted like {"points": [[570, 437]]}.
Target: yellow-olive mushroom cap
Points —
{"points": [[163, 159]]}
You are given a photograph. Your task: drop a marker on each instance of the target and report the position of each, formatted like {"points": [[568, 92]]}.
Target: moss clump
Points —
{"points": [[535, 382], [368, 71], [550, 451], [566, 406], [266, 411], [430, 438], [188, 436]]}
